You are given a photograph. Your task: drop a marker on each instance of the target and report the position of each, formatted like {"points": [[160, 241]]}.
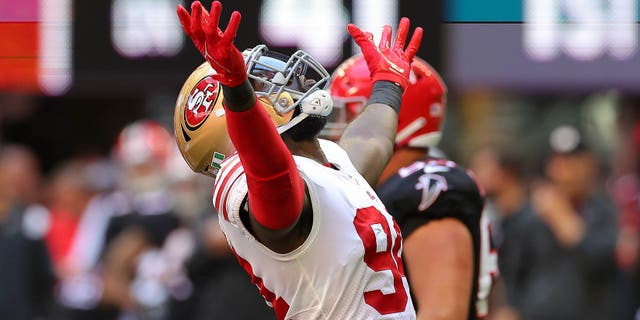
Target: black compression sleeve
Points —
{"points": [[239, 98]]}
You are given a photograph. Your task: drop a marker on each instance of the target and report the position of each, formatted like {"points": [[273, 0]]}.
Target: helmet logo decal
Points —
{"points": [[201, 101]]}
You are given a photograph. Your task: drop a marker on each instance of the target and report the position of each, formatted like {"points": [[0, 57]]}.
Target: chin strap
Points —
{"points": [[318, 104], [297, 119]]}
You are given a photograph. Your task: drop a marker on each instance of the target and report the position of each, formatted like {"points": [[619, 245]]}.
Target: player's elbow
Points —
{"points": [[276, 202]]}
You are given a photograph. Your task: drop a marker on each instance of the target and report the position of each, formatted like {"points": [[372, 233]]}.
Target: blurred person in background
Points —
{"points": [[626, 192], [220, 288], [115, 268], [438, 205], [26, 271], [564, 267], [502, 175], [23, 167], [82, 201], [191, 192], [141, 152], [67, 198], [145, 242]]}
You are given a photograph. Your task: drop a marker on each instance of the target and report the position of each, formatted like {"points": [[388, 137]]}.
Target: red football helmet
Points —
{"points": [[143, 141], [423, 103]]}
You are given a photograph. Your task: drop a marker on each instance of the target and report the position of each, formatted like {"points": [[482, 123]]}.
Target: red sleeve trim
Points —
{"points": [[276, 190], [231, 172]]}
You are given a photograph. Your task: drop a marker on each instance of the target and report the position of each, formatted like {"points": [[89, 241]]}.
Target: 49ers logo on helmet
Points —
{"points": [[201, 101]]}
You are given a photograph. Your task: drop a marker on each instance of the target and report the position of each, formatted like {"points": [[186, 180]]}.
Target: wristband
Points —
{"points": [[239, 98], [386, 92]]}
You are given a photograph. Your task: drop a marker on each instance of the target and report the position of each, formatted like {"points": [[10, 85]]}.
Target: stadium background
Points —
{"points": [[75, 72]]}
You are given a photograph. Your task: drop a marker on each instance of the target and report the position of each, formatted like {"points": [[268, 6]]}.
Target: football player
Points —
{"points": [[298, 211], [437, 203]]}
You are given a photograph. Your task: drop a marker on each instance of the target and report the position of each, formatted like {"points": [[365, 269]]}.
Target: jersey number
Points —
{"points": [[382, 254]]}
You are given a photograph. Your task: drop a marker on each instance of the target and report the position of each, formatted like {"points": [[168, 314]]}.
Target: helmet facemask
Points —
{"points": [[289, 82]]}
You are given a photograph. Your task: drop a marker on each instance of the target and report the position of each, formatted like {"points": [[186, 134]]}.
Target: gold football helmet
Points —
{"points": [[199, 122], [291, 88]]}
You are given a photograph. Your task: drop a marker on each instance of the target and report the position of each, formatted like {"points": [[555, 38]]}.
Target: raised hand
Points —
{"points": [[386, 61], [214, 44]]}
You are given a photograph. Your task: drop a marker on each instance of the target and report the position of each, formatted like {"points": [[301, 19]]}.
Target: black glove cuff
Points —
{"points": [[386, 92], [239, 98]]}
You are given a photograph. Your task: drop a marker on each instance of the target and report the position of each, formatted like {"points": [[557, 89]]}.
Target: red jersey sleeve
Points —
{"points": [[276, 189]]}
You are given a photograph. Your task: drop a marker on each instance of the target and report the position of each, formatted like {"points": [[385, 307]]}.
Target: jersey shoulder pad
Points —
{"points": [[333, 150], [432, 189], [230, 189]]}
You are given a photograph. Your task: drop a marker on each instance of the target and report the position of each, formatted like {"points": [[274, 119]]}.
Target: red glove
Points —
{"points": [[216, 46], [384, 62]]}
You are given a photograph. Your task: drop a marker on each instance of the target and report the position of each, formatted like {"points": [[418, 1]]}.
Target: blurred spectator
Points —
{"points": [[129, 245], [23, 168], [219, 285], [147, 243], [25, 269], [562, 259], [190, 191], [67, 198], [626, 192], [502, 175], [82, 202], [99, 181]]}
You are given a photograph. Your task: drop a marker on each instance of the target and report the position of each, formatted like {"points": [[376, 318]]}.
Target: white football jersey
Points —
{"points": [[349, 267]]}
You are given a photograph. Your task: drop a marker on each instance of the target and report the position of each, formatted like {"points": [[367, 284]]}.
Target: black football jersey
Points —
{"points": [[438, 188]]}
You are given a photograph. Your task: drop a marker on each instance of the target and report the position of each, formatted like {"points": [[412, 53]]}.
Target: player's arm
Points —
{"points": [[271, 172], [439, 260], [437, 221], [369, 138], [276, 189]]}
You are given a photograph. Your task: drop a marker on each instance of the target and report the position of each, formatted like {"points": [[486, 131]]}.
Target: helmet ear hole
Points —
{"points": [[319, 103]]}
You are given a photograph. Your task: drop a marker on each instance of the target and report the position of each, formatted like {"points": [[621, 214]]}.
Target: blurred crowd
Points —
{"points": [[565, 221], [133, 234]]}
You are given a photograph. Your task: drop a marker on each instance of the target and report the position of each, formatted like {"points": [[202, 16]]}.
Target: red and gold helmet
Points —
{"points": [[199, 122], [423, 103]]}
